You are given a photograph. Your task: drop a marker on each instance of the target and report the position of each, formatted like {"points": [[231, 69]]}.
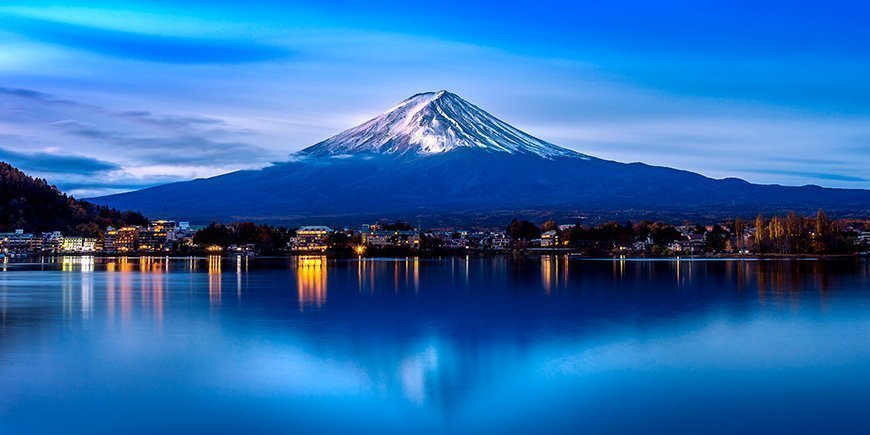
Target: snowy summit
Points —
{"points": [[434, 123]]}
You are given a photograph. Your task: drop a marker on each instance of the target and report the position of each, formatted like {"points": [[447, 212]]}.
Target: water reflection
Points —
{"points": [[242, 265], [554, 272], [549, 340], [78, 278], [214, 280], [311, 281]]}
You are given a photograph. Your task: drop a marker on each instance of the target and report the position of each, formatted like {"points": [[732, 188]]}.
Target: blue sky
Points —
{"points": [[101, 97]]}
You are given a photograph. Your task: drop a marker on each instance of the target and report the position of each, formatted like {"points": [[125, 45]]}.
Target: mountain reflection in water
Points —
{"points": [[462, 344]]}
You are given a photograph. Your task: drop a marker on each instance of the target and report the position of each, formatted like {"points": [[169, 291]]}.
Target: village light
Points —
{"points": [[360, 250]]}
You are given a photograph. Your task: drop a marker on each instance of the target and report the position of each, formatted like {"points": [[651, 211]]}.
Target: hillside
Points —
{"points": [[35, 205]]}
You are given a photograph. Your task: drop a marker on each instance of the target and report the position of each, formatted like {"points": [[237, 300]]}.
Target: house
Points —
{"points": [[550, 239], [311, 239], [498, 241], [375, 236], [78, 245]]}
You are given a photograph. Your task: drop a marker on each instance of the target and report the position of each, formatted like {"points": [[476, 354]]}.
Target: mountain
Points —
{"points": [[32, 204], [437, 157], [435, 123]]}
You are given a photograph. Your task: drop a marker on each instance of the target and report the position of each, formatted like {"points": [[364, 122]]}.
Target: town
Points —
{"points": [[780, 235]]}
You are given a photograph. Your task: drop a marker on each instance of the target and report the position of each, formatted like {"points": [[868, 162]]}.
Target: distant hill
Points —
{"points": [[35, 205], [436, 156]]}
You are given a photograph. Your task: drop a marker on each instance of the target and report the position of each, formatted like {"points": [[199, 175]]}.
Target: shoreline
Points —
{"points": [[573, 256]]}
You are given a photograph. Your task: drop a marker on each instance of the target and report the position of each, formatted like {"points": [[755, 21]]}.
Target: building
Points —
{"points": [[498, 241], [78, 245], [550, 239], [157, 237], [51, 242], [121, 240], [374, 236], [17, 242], [312, 239]]}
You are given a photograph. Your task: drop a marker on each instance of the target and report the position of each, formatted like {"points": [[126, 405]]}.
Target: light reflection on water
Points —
{"points": [[460, 344]]}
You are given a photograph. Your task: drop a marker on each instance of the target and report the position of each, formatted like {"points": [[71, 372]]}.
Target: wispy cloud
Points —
{"points": [[173, 122], [56, 163], [181, 149], [142, 46], [90, 150], [810, 174]]}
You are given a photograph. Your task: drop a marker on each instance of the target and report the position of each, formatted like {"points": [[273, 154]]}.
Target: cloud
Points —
{"points": [[172, 122], [57, 163], [809, 174], [30, 94], [175, 149], [142, 46]]}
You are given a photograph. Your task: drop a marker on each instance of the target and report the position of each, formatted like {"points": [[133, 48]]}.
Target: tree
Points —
{"points": [[32, 204], [523, 230], [395, 226], [716, 239], [214, 234], [550, 225], [821, 234], [761, 232], [739, 228]]}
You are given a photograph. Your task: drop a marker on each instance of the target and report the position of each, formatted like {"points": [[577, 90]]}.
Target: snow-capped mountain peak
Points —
{"points": [[434, 123]]}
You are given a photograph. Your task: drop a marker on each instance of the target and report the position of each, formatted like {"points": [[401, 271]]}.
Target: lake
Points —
{"points": [[455, 345]]}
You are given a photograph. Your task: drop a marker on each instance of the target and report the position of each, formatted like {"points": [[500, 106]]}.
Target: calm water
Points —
{"points": [[469, 346]]}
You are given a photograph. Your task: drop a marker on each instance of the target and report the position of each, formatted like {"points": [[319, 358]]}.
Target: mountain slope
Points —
{"points": [[435, 155], [434, 123], [34, 205]]}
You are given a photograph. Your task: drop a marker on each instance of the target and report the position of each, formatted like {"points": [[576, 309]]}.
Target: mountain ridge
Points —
{"points": [[432, 155], [433, 123]]}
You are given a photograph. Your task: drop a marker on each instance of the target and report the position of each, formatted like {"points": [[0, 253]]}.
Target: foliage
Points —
{"points": [[793, 234], [265, 238], [34, 205], [523, 230], [395, 226]]}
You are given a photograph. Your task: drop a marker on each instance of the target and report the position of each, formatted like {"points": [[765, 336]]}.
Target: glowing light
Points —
{"points": [[360, 250], [311, 281]]}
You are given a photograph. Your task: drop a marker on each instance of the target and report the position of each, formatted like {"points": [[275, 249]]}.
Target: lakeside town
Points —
{"points": [[779, 235]]}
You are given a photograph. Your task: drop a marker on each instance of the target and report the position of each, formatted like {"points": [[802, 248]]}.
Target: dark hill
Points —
{"points": [[35, 205]]}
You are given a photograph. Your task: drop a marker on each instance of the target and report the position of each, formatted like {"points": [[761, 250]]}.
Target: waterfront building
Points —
{"points": [[498, 241], [312, 239], [374, 236], [77, 245], [17, 242], [157, 237], [121, 240], [550, 239], [51, 243]]}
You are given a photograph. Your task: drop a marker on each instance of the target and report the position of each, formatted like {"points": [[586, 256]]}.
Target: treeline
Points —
{"points": [[794, 234], [34, 205], [266, 239], [790, 234]]}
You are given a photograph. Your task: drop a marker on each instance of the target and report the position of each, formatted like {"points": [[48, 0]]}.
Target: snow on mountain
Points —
{"points": [[433, 123]]}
